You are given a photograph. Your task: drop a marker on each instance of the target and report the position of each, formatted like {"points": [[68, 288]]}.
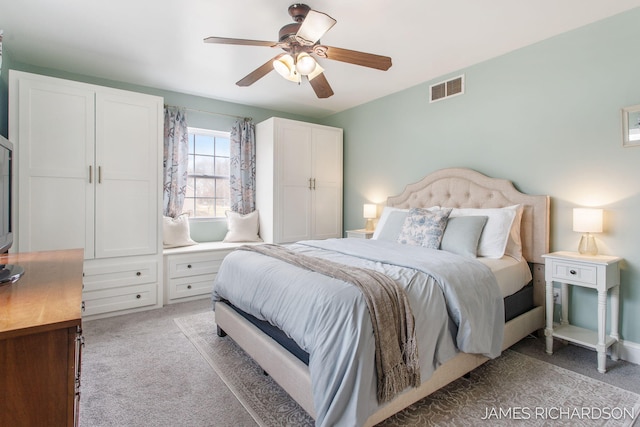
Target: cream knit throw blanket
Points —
{"points": [[397, 363]]}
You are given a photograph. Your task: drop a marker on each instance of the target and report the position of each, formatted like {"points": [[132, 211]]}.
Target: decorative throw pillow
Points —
{"points": [[423, 227], [175, 232], [390, 223], [242, 228], [462, 234]]}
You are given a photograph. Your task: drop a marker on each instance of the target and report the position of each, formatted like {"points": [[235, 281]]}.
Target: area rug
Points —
{"points": [[513, 388]]}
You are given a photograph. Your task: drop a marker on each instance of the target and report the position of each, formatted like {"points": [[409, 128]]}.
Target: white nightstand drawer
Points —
{"points": [[574, 272]]}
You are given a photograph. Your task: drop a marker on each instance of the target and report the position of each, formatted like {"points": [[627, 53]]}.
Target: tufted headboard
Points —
{"points": [[466, 188]]}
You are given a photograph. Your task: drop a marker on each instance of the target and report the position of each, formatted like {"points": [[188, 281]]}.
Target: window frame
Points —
{"points": [[191, 130]]}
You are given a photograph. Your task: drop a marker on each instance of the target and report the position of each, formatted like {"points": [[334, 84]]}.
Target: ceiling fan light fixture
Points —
{"points": [[305, 64], [286, 68]]}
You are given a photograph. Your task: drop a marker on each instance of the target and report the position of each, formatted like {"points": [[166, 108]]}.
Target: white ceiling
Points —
{"points": [[158, 43]]}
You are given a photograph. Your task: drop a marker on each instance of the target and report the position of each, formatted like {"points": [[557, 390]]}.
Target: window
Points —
{"points": [[207, 174]]}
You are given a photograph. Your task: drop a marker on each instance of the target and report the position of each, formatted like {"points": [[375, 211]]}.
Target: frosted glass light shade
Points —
{"points": [[286, 68], [305, 64]]}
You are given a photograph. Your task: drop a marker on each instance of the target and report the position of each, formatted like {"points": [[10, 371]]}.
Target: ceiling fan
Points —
{"points": [[301, 42]]}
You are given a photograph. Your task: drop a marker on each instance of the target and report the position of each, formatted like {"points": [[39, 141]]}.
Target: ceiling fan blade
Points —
{"points": [[224, 40], [353, 57], [258, 73], [321, 86], [314, 26]]}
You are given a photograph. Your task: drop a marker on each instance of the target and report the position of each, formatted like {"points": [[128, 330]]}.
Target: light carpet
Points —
{"points": [[512, 388]]}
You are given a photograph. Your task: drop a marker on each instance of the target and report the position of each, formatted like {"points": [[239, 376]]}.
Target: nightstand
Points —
{"points": [[360, 234], [599, 272]]}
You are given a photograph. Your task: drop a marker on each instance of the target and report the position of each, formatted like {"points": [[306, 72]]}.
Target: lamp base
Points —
{"points": [[588, 245], [369, 225]]}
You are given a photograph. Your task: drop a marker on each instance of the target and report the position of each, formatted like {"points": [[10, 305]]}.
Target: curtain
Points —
{"points": [[242, 175], [176, 156]]}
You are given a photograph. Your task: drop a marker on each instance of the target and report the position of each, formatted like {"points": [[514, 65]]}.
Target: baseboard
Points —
{"points": [[629, 351]]}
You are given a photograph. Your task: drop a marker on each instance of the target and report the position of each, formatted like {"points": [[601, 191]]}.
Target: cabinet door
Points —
{"points": [[293, 153], [55, 151], [327, 185], [127, 144]]}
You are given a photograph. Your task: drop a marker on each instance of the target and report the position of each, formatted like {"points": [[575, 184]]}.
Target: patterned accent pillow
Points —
{"points": [[423, 227]]}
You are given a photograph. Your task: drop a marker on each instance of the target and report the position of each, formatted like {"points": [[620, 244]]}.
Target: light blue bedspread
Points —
{"points": [[455, 301]]}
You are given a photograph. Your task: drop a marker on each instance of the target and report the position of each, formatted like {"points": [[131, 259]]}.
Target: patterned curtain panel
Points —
{"points": [[242, 175], [176, 156]]}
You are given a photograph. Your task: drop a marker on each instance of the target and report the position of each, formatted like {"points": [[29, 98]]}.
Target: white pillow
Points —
{"points": [[242, 228], [391, 222], [175, 232], [493, 240], [514, 243]]}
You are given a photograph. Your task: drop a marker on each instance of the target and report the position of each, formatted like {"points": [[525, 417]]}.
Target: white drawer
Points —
{"points": [[195, 264], [574, 272], [98, 276], [184, 287], [108, 300]]}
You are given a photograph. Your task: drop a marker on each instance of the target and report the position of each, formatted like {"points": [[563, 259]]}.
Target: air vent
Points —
{"points": [[447, 89]]}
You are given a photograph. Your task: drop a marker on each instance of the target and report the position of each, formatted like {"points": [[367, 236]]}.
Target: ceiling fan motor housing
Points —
{"points": [[299, 11], [289, 31]]}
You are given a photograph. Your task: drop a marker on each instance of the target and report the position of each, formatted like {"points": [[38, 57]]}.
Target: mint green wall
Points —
{"points": [[201, 230], [546, 117]]}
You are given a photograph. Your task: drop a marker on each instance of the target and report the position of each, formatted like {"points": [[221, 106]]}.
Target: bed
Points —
{"points": [[463, 192]]}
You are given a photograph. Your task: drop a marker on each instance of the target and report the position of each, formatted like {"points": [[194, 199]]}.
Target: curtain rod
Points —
{"points": [[216, 113]]}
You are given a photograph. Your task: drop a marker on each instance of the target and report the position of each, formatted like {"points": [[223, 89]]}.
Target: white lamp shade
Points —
{"points": [[370, 211], [587, 220]]}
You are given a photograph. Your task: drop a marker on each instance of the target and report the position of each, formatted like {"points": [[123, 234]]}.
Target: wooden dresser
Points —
{"points": [[40, 340]]}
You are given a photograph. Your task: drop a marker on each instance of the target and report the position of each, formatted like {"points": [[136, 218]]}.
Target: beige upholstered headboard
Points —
{"points": [[466, 188]]}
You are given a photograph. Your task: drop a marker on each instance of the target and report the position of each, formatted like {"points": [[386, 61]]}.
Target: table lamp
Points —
{"points": [[587, 221], [370, 212]]}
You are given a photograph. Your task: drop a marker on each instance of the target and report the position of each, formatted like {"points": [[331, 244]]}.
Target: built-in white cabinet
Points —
{"points": [[189, 271], [89, 164], [298, 180]]}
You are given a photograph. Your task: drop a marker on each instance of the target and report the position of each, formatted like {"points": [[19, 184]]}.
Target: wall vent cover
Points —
{"points": [[446, 89]]}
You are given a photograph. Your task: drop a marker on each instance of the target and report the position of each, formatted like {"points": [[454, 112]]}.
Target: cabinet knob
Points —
{"points": [[572, 271], [188, 286], [138, 296], [189, 266], [138, 274], [83, 306]]}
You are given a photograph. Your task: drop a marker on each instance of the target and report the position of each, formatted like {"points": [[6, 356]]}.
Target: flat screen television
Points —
{"points": [[8, 273]]}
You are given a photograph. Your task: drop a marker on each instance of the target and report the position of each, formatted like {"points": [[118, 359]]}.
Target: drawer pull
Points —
{"points": [[572, 272], [138, 296], [188, 286], [138, 274], [189, 266]]}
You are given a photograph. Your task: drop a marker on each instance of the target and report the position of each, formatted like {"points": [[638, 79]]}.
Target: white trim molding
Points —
{"points": [[629, 351]]}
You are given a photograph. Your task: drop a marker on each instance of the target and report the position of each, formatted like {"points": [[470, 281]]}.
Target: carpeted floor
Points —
{"points": [[532, 389], [143, 370]]}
